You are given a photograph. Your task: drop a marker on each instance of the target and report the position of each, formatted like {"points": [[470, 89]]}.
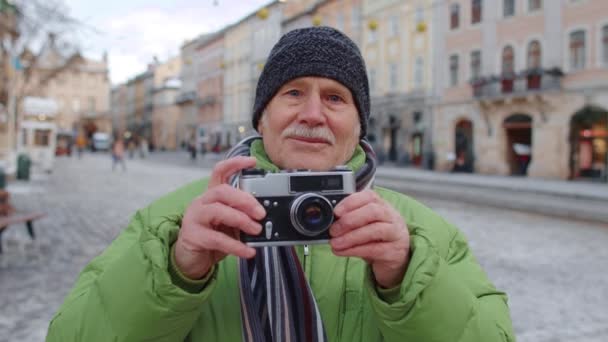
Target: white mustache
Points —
{"points": [[304, 131]]}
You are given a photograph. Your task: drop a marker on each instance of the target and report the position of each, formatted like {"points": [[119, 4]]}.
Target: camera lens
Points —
{"points": [[311, 214]]}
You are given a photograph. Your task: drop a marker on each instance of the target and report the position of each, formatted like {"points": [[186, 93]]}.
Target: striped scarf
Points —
{"points": [[277, 303]]}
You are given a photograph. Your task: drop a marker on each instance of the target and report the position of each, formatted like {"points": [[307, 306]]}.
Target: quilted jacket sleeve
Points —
{"points": [[126, 293], [445, 295]]}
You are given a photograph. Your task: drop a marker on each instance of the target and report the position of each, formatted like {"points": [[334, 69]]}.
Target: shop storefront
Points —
{"points": [[589, 140]]}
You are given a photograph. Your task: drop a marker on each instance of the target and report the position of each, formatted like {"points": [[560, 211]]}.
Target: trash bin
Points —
{"points": [[24, 163]]}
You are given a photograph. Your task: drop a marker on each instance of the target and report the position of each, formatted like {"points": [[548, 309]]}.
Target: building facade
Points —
{"points": [[165, 112], [343, 15], [523, 88], [190, 75], [118, 109], [80, 87], [238, 81], [210, 90], [397, 44]]}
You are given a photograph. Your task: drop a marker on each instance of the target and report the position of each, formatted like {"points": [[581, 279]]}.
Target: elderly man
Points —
{"points": [[393, 270]]}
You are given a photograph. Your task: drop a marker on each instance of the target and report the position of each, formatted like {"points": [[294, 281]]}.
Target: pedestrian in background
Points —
{"points": [[143, 148], [192, 149], [81, 144], [131, 146], [118, 154]]}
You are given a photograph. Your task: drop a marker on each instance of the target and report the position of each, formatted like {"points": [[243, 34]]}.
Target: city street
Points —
{"points": [[555, 271]]}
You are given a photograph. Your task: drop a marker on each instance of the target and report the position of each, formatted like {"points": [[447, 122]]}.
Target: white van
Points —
{"points": [[101, 141]]}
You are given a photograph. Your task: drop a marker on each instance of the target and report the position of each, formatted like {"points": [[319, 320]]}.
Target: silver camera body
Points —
{"points": [[299, 204]]}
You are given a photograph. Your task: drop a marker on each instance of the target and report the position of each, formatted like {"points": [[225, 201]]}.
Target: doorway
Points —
{"points": [[518, 131], [463, 146]]}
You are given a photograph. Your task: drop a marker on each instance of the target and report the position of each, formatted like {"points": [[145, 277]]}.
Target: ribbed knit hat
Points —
{"points": [[314, 51]]}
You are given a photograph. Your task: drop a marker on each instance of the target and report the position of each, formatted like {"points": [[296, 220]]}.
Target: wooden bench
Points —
{"points": [[8, 216]]}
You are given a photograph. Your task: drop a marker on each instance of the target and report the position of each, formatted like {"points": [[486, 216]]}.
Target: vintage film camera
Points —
{"points": [[299, 204]]}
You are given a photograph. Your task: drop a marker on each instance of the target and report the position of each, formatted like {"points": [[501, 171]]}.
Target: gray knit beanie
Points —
{"points": [[314, 51]]}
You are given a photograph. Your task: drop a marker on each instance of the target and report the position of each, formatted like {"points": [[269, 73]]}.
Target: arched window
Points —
{"points": [[475, 64], [454, 70], [508, 8], [535, 5], [577, 50], [476, 10], [508, 60], [534, 55], [419, 72], [454, 16]]}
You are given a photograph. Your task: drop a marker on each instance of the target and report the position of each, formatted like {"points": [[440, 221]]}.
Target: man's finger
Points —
{"points": [[220, 214], [218, 241], [355, 201], [378, 251], [226, 168], [360, 217], [375, 232], [234, 198]]}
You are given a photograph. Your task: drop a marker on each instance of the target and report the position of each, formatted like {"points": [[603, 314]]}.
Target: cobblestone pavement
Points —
{"points": [[555, 271]]}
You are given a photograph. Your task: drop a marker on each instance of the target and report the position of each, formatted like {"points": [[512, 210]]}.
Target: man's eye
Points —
{"points": [[335, 98], [294, 92]]}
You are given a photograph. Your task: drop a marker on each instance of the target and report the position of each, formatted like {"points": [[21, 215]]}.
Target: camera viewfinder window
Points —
{"points": [[315, 183]]}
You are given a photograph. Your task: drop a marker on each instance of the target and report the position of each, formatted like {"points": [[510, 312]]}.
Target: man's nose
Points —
{"points": [[312, 111]]}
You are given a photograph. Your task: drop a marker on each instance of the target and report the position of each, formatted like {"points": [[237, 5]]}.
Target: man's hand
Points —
{"points": [[370, 228], [213, 221]]}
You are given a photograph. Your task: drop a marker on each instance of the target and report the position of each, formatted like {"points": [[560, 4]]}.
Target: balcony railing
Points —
{"points": [[186, 97], [514, 85]]}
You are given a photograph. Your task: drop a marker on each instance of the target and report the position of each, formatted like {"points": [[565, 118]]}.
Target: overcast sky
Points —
{"points": [[133, 31]]}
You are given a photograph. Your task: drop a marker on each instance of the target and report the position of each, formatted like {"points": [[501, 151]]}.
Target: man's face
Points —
{"points": [[311, 123]]}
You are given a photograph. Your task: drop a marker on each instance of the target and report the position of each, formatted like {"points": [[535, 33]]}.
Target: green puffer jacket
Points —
{"points": [[128, 293]]}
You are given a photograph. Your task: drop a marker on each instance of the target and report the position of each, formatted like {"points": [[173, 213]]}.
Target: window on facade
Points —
{"points": [[41, 137], [476, 9], [535, 5], [91, 103], [534, 55], [419, 72], [508, 60], [394, 74], [453, 70], [372, 80], [355, 14], [605, 45], [75, 105], [371, 36], [577, 50], [394, 26], [419, 15], [475, 64], [24, 137], [340, 22], [454, 16], [508, 8]]}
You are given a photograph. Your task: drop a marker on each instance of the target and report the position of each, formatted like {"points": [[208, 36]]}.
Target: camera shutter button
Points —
{"points": [[268, 229]]}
